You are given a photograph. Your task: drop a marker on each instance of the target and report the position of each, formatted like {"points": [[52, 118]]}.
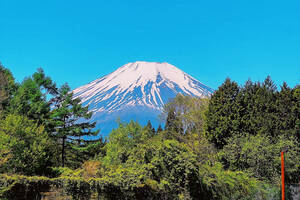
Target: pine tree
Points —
{"points": [[285, 117], [258, 113], [296, 111], [80, 150], [69, 117], [159, 129], [30, 99], [149, 125], [150, 128], [223, 113]]}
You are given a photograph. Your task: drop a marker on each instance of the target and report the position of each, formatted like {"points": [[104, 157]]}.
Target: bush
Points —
{"points": [[28, 146], [259, 155]]}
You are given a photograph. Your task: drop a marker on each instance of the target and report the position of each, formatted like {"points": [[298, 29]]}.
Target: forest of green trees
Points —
{"points": [[226, 147]]}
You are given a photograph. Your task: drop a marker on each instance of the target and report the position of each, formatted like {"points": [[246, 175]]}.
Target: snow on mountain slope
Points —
{"points": [[138, 90]]}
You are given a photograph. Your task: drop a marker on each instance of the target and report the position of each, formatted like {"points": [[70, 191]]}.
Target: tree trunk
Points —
{"points": [[63, 151]]}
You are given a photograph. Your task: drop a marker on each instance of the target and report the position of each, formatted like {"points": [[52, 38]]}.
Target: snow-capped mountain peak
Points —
{"points": [[147, 77], [143, 85]]}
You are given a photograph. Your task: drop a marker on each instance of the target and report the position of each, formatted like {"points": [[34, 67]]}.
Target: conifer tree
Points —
{"points": [[30, 99], [223, 113], [151, 128], [159, 129], [285, 117], [69, 117], [258, 112], [296, 111]]}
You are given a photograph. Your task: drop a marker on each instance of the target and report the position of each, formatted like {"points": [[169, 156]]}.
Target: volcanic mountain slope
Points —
{"points": [[136, 91]]}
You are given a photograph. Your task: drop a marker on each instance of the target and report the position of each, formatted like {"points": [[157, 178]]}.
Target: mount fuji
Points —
{"points": [[136, 91]]}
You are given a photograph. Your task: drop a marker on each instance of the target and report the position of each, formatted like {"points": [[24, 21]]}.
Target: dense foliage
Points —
{"points": [[65, 115], [224, 147], [27, 145], [7, 87]]}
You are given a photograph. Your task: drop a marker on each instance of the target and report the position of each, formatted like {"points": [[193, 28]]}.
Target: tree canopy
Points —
{"points": [[226, 146]]}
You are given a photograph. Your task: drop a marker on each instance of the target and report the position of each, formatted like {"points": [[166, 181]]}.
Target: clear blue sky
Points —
{"points": [[79, 41]]}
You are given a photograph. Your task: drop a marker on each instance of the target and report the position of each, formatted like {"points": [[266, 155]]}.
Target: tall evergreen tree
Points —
{"points": [[30, 99], [70, 118], [45, 82], [80, 150], [286, 118], [159, 129], [223, 113], [258, 110], [296, 111], [151, 128]]}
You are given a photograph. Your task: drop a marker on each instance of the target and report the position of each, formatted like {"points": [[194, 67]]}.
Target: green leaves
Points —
{"points": [[223, 113], [29, 147], [171, 168], [185, 115], [255, 108], [7, 87], [249, 125], [123, 140], [30, 99], [260, 155], [69, 119]]}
